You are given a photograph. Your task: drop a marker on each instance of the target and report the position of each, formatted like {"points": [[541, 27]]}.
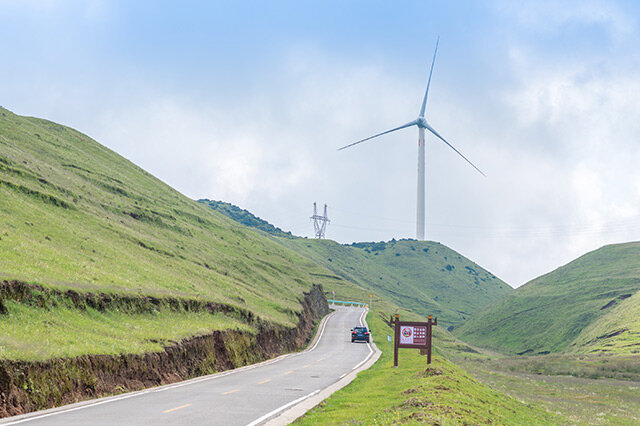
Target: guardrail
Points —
{"points": [[345, 303]]}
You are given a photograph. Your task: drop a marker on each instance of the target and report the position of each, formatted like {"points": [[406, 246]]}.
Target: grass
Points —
{"points": [[581, 400], [616, 333], [414, 393], [32, 333], [547, 314]]}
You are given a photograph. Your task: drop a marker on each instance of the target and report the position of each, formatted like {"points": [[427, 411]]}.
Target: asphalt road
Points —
{"points": [[248, 396]]}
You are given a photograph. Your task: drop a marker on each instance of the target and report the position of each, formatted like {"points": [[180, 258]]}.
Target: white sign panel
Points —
{"points": [[406, 335]]}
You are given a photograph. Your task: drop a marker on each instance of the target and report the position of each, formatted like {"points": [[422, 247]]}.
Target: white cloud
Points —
{"points": [[550, 15]]}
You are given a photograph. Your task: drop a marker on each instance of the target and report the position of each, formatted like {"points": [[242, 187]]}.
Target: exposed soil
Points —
{"points": [[608, 305], [40, 296], [430, 372], [29, 386]]}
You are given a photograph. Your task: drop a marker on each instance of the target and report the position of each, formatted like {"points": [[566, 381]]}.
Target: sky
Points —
{"points": [[247, 102]]}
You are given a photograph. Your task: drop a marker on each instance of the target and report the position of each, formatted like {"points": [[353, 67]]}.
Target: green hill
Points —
{"points": [[75, 215], [616, 333], [245, 217], [575, 306], [425, 277]]}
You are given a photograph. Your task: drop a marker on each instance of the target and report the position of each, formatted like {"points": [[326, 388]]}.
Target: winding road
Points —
{"points": [[250, 395]]}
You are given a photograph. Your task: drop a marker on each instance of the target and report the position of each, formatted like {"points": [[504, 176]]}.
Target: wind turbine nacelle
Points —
{"points": [[422, 122]]}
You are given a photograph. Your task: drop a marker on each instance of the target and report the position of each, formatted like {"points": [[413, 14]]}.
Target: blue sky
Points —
{"points": [[247, 102]]}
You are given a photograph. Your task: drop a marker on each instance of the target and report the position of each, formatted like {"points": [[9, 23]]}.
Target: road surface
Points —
{"points": [[247, 396]]}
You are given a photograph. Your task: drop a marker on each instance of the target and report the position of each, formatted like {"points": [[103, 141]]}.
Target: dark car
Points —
{"points": [[360, 333]]}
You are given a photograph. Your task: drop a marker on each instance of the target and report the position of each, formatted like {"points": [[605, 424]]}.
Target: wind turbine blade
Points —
{"points": [[436, 134], [424, 101], [412, 123]]}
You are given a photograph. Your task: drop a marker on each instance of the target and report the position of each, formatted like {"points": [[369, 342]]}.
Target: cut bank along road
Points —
{"points": [[247, 396]]}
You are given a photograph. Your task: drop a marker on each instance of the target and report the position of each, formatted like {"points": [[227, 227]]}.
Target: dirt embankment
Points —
{"points": [[29, 386]]}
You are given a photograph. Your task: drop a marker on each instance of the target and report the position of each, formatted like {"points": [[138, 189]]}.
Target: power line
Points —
{"points": [[516, 232]]}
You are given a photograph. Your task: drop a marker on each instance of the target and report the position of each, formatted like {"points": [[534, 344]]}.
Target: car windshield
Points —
{"points": [[361, 329]]}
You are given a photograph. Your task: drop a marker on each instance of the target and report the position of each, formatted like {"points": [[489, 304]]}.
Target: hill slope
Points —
{"points": [[549, 312], [617, 332], [425, 277], [75, 215]]}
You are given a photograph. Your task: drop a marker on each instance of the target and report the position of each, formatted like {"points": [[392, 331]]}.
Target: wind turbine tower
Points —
{"points": [[320, 222], [421, 124]]}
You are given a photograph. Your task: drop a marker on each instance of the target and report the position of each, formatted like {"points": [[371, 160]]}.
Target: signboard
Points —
{"points": [[415, 335]]}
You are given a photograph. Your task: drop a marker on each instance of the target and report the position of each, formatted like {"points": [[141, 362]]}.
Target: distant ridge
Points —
{"points": [[423, 276], [588, 305], [245, 217]]}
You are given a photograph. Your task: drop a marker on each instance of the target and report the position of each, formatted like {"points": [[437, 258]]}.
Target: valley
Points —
{"points": [[111, 281]]}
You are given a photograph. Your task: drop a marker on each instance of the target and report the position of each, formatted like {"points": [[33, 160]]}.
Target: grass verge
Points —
{"points": [[30, 333], [441, 393]]}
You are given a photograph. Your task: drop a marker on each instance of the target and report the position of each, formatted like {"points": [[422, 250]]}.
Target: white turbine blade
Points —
{"points": [[412, 123], [424, 101], [436, 134]]}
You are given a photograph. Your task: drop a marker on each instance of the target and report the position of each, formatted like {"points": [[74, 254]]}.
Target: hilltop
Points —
{"points": [[245, 217], [587, 305], [423, 276]]}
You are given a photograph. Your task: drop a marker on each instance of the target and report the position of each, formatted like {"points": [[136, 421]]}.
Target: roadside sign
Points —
{"points": [[389, 338], [416, 335], [413, 335]]}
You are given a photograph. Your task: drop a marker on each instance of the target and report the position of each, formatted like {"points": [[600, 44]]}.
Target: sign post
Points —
{"points": [[415, 335]]}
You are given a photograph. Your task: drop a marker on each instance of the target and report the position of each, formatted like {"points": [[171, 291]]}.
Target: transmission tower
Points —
{"points": [[319, 222]]}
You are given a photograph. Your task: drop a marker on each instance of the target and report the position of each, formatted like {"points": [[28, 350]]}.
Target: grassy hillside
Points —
{"points": [[75, 215], [586, 300], [35, 334], [425, 277], [616, 333]]}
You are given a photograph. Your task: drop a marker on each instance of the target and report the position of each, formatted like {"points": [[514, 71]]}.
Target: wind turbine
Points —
{"points": [[422, 124]]}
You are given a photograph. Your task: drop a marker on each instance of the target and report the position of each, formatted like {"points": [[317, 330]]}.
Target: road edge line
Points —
{"points": [[308, 403]]}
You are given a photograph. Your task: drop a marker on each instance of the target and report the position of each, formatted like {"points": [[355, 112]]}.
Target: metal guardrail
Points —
{"points": [[345, 302]]}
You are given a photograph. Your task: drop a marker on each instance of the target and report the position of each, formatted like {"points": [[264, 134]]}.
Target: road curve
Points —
{"points": [[247, 396]]}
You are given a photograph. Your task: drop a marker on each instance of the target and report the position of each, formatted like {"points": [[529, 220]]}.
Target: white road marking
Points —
{"points": [[284, 407], [368, 344], [74, 409]]}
